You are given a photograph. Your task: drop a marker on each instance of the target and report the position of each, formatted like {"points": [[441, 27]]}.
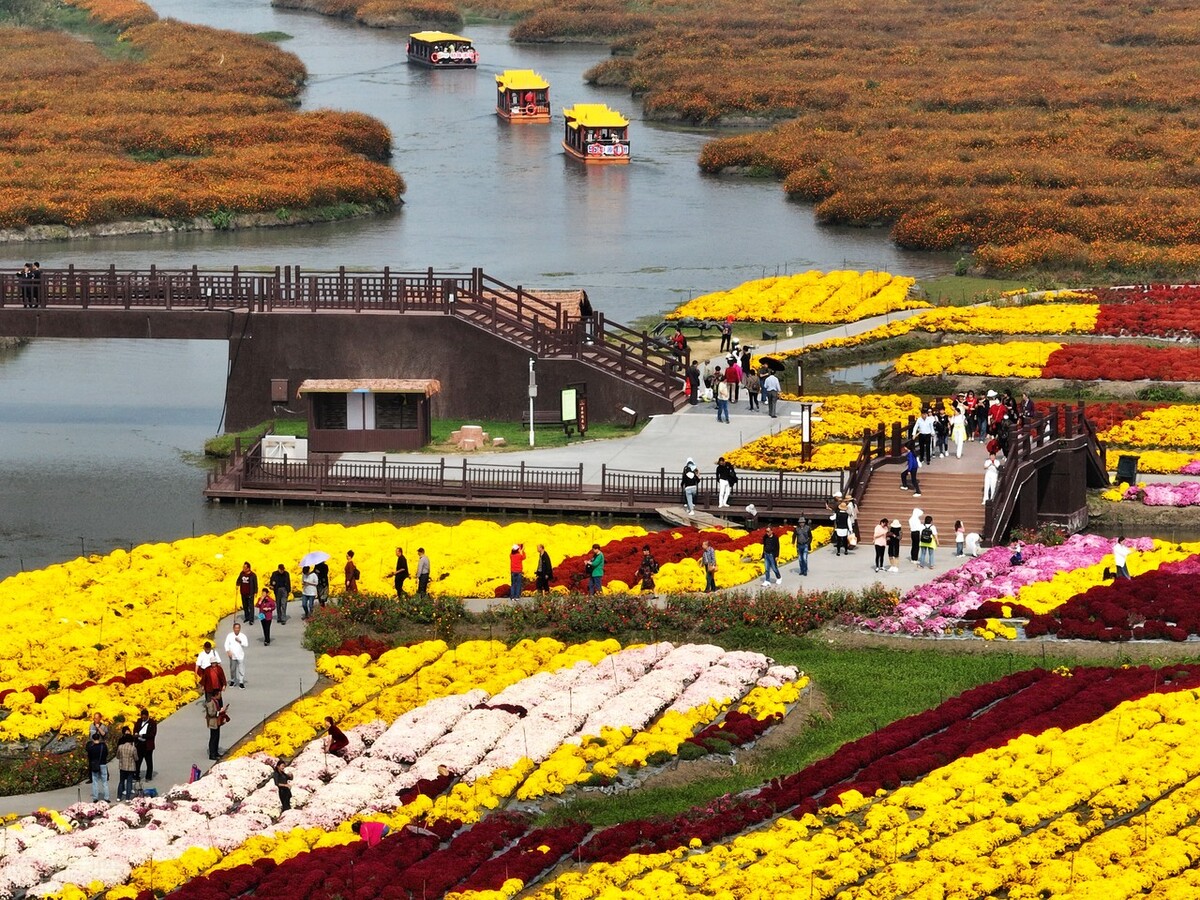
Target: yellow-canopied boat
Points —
{"points": [[596, 134], [442, 50], [522, 95]]}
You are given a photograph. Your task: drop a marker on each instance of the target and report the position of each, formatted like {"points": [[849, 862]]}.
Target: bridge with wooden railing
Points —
{"points": [[1052, 460], [438, 483], [183, 303]]}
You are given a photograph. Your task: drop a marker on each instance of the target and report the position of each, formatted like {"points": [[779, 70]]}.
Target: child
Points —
{"points": [[960, 537]]}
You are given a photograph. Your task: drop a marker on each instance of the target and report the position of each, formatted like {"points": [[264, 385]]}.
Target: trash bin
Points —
{"points": [[1127, 466]]}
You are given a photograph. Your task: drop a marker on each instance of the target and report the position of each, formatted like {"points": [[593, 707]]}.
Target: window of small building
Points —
{"points": [[329, 411], [396, 411]]}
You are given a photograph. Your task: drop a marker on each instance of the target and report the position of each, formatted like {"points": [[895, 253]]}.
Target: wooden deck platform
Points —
{"points": [[535, 490]]}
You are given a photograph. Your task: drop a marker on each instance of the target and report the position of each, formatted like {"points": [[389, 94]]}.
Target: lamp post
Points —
{"points": [[806, 447], [532, 394]]}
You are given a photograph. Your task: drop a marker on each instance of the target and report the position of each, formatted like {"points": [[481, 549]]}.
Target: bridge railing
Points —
{"points": [[784, 493]]}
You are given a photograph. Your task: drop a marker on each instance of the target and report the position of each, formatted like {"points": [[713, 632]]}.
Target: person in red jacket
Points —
{"points": [[371, 832], [516, 568]]}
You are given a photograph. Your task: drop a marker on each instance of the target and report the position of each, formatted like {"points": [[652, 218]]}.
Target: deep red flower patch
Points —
{"points": [[1159, 605], [1123, 362], [622, 557], [1157, 310], [1106, 414]]}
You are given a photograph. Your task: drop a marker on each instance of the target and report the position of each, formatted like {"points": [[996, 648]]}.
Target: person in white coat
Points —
{"points": [[235, 649], [991, 478], [958, 432]]}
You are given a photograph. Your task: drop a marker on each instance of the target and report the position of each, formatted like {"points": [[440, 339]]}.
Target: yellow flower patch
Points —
{"points": [[1172, 427], [842, 296], [1015, 359]]}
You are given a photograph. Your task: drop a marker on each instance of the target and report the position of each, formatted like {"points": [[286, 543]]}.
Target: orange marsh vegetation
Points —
{"points": [[1037, 133], [203, 122]]}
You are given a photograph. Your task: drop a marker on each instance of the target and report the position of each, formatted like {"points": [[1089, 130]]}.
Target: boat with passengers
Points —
{"points": [[442, 50], [522, 95], [596, 134]]}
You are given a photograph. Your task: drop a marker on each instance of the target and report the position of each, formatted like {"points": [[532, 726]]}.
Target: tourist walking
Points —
{"points": [[247, 588], [351, 573], [960, 538], [726, 479], [98, 730], [802, 538], [544, 571], [145, 730], [958, 431], [281, 585], [216, 714], [1121, 552], [915, 523], [841, 529], [322, 571], [733, 375], [770, 545], [647, 569], [400, 573], [595, 571], [266, 613], [753, 389], [424, 569], [693, 383], [97, 757], [516, 571], [911, 465], [991, 478], [209, 670], [127, 764], [924, 428], [723, 391], [708, 559], [928, 542], [235, 649], [893, 546], [283, 783], [308, 591], [690, 482], [770, 386], [879, 540]]}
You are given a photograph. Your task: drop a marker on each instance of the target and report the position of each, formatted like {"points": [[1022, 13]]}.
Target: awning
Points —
{"points": [[426, 386]]}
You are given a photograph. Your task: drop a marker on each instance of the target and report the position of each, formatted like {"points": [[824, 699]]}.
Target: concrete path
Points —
{"points": [[275, 677]]}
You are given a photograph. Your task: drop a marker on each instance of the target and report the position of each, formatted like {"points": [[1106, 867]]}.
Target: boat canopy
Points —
{"points": [[432, 37], [521, 80], [594, 115]]}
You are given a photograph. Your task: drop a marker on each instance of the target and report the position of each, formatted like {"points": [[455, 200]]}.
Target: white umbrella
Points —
{"points": [[313, 557]]}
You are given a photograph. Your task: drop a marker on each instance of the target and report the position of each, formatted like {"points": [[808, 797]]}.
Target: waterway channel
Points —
{"points": [[98, 440]]}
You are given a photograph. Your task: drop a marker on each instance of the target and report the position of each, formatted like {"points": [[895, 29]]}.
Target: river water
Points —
{"points": [[99, 439]]}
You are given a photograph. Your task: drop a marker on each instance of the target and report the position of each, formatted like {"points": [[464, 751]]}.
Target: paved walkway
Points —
{"points": [[275, 677]]}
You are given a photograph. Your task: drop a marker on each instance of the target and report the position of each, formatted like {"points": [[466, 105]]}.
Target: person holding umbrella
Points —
{"points": [[308, 595], [313, 563]]}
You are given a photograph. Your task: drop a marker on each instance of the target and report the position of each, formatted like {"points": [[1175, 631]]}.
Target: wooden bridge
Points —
{"points": [[472, 332], [1052, 461], [248, 476]]}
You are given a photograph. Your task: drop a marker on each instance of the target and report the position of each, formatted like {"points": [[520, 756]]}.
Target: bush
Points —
{"points": [[42, 771]]}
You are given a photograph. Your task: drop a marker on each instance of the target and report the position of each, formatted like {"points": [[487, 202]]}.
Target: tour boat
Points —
{"points": [[596, 134], [441, 50], [522, 95]]}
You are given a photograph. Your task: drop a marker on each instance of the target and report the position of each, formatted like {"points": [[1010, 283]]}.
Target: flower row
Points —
{"points": [[1045, 578], [812, 296], [1047, 359], [449, 758], [1163, 604], [1183, 493]]}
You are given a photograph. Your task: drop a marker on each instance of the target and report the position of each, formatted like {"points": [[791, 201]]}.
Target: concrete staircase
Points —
{"points": [[950, 489]]}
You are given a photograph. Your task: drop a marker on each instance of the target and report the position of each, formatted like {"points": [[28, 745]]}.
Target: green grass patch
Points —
{"points": [[516, 435], [273, 36], [222, 444], [866, 690], [78, 23], [966, 290]]}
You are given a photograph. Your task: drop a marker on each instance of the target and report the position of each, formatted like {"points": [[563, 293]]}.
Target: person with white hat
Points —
{"points": [[893, 546], [516, 568]]}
